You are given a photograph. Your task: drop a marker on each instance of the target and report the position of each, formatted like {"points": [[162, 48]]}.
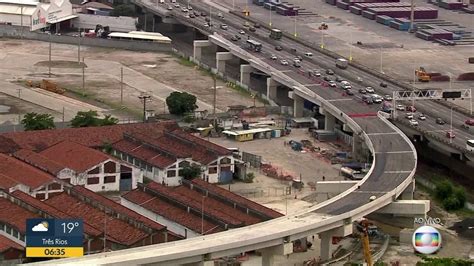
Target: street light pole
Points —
{"points": [[144, 98], [381, 61], [202, 215], [121, 86], [350, 48], [270, 17], [296, 34], [451, 126], [49, 63], [322, 39]]}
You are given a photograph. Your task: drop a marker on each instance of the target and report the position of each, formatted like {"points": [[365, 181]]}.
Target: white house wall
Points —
{"points": [[170, 225]]}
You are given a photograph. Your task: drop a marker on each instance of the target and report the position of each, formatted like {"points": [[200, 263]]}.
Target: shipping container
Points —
{"points": [[342, 5], [331, 2], [269, 6], [368, 14], [382, 19], [355, 10]]}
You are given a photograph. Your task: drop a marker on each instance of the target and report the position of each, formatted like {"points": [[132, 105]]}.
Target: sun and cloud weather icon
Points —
{"points": [[41, 227]]}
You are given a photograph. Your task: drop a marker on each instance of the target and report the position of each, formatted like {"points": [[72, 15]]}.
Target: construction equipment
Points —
{"points": [[323, 26], [364, 227], [422, 75], [47, 85]]}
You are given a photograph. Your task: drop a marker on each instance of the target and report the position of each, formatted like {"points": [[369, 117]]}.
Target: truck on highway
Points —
{"points": [[276, 34], [342, 63]]}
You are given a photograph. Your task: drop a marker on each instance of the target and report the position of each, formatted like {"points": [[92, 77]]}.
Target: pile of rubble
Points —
{"points": [[272, 171]]}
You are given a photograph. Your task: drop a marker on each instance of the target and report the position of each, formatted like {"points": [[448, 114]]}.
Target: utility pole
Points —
{"points": [[412, 16], [121, 86], [83, 76], [105, 231], [144, 97], [202, 216], [49, 63], [215, 96], [79, 48]]}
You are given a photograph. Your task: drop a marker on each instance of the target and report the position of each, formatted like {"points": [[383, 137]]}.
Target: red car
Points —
{"points": [[469, 122], [450, 134], [411, 108]]}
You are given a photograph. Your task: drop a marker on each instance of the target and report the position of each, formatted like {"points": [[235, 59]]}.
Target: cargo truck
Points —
{"points": [[342, 63]]}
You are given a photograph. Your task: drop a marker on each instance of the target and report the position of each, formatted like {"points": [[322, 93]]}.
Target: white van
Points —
{"points": [[162, 1], [308, 54], [173, 1]]}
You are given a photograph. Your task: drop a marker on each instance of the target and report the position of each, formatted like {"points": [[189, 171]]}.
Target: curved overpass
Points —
{"points": [[391, 173]]}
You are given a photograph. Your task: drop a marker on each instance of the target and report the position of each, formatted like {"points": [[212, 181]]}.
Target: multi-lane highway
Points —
{"points": [[318, 61]]}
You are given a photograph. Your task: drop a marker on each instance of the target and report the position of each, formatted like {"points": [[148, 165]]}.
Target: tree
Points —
{"points": [[181, 102], [443, 262], [91, 119], [35, 121], [124, 10], [443, 190], [190, 172], [452, 198]]}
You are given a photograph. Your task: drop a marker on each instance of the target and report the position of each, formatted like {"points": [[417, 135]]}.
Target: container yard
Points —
{"points": [[284, 9]]}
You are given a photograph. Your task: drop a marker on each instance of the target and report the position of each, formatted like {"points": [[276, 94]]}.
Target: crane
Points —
{"points": [[364, 227]]}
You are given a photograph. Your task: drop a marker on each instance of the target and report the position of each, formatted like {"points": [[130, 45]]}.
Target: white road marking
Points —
{"points": [[394, 152], [386, 133], [342, 99], [397, 172]]}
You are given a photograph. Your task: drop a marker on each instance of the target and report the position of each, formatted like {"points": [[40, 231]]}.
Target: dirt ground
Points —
{"points": [[155, 74], [270, 191]]}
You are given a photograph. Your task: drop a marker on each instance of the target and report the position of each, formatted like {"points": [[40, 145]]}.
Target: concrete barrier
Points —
{"points": [[16, 32]]}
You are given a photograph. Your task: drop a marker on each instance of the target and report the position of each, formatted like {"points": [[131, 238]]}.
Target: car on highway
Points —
{"points": [[367, 99], [278, 48], [176, 5], [413, 122], [387, 97], [234, 39], [207, 25], [252, 29], [440, 121], [284, 62], [184, 10], [196, 13], [409, 115], [464, 126], [308, 54], [329, 71], [257, 26], [246, 24], [274, 57], [339, 79], [207, 19], [376, 98], [349, 92], [299, 58], [369, 90], [421, 117], [224, 27], [297, 63], [326, 78], [383, 84], [332, 84], [469, 122], [362, 90], [190, 8], [192, 15], [400, 107], [242, 32], [450, 134], [220, 15], [345, 85], [203, 14], [170, 8], [293, 50], [317, 73], [411, 108], [237, 36]]}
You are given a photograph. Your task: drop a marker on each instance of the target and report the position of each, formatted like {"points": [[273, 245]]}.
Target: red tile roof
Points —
{"points": [[14, 215], [236, 198], [88, 229], [23, 173], [120, 231], [215, 204], [171, 212], [117, 207], [88, 136], [75, 156], [197, 205], [6, 182], [143, 153], [39, 161], [6, 244]]}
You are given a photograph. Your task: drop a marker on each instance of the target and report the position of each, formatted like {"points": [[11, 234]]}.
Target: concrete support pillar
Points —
{"points": [[221, 57], [197, 47], [298, 105], [245, 71], [357, 150], [271, 89], [329, 121], [268, 254], [408, 193], [326, 239]]}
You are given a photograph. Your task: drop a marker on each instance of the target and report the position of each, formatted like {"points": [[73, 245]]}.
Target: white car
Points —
{"points": [[184, 9], [332, 83], [274, 57], [190, 8], [284, 62], [308, 54], [400, 107], [176, 5], [422, 117], [317, 74], [242, 32], [409, 116], [369, 90], [413, 122], [170, 8]]}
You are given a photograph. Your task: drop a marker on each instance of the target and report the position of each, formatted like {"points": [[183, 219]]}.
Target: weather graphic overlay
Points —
{"points": [[54, 238], [426, 240]]}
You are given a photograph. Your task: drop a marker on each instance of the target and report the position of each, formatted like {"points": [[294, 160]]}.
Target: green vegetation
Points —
{"points": [[125, 10], [91, 119], [35, 121], [180, 103], [443, 262], [190, 172], [249, 178], [452, 197]]}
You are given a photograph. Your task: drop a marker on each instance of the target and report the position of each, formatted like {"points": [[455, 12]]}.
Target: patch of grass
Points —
{"points": [[79, 92], [185, 62]]}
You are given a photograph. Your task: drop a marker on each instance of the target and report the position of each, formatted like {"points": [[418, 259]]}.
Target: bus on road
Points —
{"points": [[254, 45], [276, 34], [470, 145]]}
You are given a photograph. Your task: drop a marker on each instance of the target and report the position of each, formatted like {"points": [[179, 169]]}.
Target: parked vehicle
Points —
{"points": [[342, 63]]}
